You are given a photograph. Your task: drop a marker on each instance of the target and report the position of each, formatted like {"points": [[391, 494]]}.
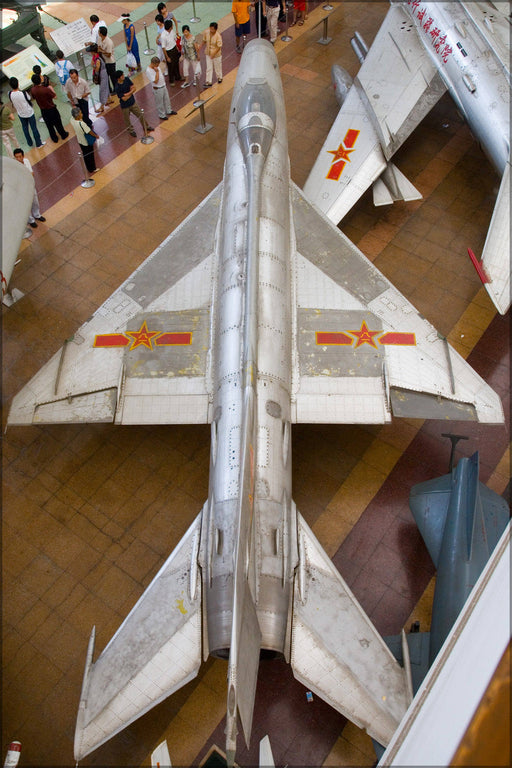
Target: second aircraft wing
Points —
{"points": [[363, 352], [394, 90]]}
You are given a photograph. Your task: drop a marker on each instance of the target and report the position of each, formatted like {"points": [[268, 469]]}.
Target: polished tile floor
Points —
{"points": [[90, 512]]}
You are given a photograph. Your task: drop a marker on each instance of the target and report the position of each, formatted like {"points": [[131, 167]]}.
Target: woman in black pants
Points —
{"points": [[81, 129]]}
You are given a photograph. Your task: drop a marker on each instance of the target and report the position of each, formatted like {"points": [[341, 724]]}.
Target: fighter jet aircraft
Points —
{"points": [[17, 195], [461, 522], [421, 50], [256, 312]]}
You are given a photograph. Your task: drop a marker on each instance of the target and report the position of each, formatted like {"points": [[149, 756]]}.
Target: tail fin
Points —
{"points": [[392, 185], [244, 660]]}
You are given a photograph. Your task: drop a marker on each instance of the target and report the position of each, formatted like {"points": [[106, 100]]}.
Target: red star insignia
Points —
{"points": [[142, 337], [364, 336], [342, 153]]}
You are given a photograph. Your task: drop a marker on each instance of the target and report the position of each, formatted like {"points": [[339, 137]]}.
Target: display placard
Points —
{"points": [[21, 65], [72, 37]]}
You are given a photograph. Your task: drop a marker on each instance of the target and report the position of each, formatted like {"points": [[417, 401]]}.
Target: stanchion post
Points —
{"points": [[199, 104], [194, 17], [87, 182], [81, 64], [148, 50], [146, 139], [286, 38], [325, 40]]}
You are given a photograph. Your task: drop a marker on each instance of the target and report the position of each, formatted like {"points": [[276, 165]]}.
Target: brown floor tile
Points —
{"points": [[91, 512]]}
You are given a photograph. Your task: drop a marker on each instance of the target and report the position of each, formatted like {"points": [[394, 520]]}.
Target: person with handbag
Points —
{"points": [[132, 46], [191, 49], [107, 50], [100, 78], [86, 137]]}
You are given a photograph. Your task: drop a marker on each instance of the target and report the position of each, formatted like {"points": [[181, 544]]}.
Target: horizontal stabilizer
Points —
{"points": [[156, 650], [392, 185], [337, 652]]}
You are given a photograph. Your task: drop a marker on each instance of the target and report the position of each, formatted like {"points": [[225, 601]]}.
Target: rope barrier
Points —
{"points": [[149, 115]]}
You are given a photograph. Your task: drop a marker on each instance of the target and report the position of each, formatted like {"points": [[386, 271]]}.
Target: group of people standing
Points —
{"points": [[268, 15], [172, 47]]}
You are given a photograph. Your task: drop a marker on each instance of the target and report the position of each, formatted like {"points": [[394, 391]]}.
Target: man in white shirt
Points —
{"points": [[106, 48], [95, 28], [22, 104], [162, 100], [171, 52], [78, 92], [35, 212]]}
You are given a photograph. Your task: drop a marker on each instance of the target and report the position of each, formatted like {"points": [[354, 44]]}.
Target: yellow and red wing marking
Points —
{"points": [[364, 336], [341, 155], [144, 338], [333, 338]]}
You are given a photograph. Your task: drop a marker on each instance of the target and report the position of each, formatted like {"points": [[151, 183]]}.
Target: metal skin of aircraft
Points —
{"points": [[421, 51], [17, 194], [255, 313], [461, 522]]}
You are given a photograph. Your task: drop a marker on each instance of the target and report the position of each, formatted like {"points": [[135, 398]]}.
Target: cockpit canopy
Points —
{"points": [[256, 117]]}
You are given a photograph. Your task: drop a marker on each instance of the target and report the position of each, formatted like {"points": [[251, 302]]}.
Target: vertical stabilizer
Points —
{"points": [[244, 660]]}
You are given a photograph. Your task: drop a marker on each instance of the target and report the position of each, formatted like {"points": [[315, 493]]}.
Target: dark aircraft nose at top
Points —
{"points": [[256, 117]]}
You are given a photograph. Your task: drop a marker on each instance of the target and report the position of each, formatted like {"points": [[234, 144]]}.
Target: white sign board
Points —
{"points": [[72, 37], [21, 65]]}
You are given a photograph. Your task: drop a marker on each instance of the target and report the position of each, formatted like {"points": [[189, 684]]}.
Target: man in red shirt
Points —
{"points": [[45, 95]]}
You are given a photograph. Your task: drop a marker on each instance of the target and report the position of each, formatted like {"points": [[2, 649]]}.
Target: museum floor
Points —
{"points": [[91, 512]]}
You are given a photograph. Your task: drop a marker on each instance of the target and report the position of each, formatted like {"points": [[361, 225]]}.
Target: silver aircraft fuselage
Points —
{"points": [[249, 505], [473, 61]]}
